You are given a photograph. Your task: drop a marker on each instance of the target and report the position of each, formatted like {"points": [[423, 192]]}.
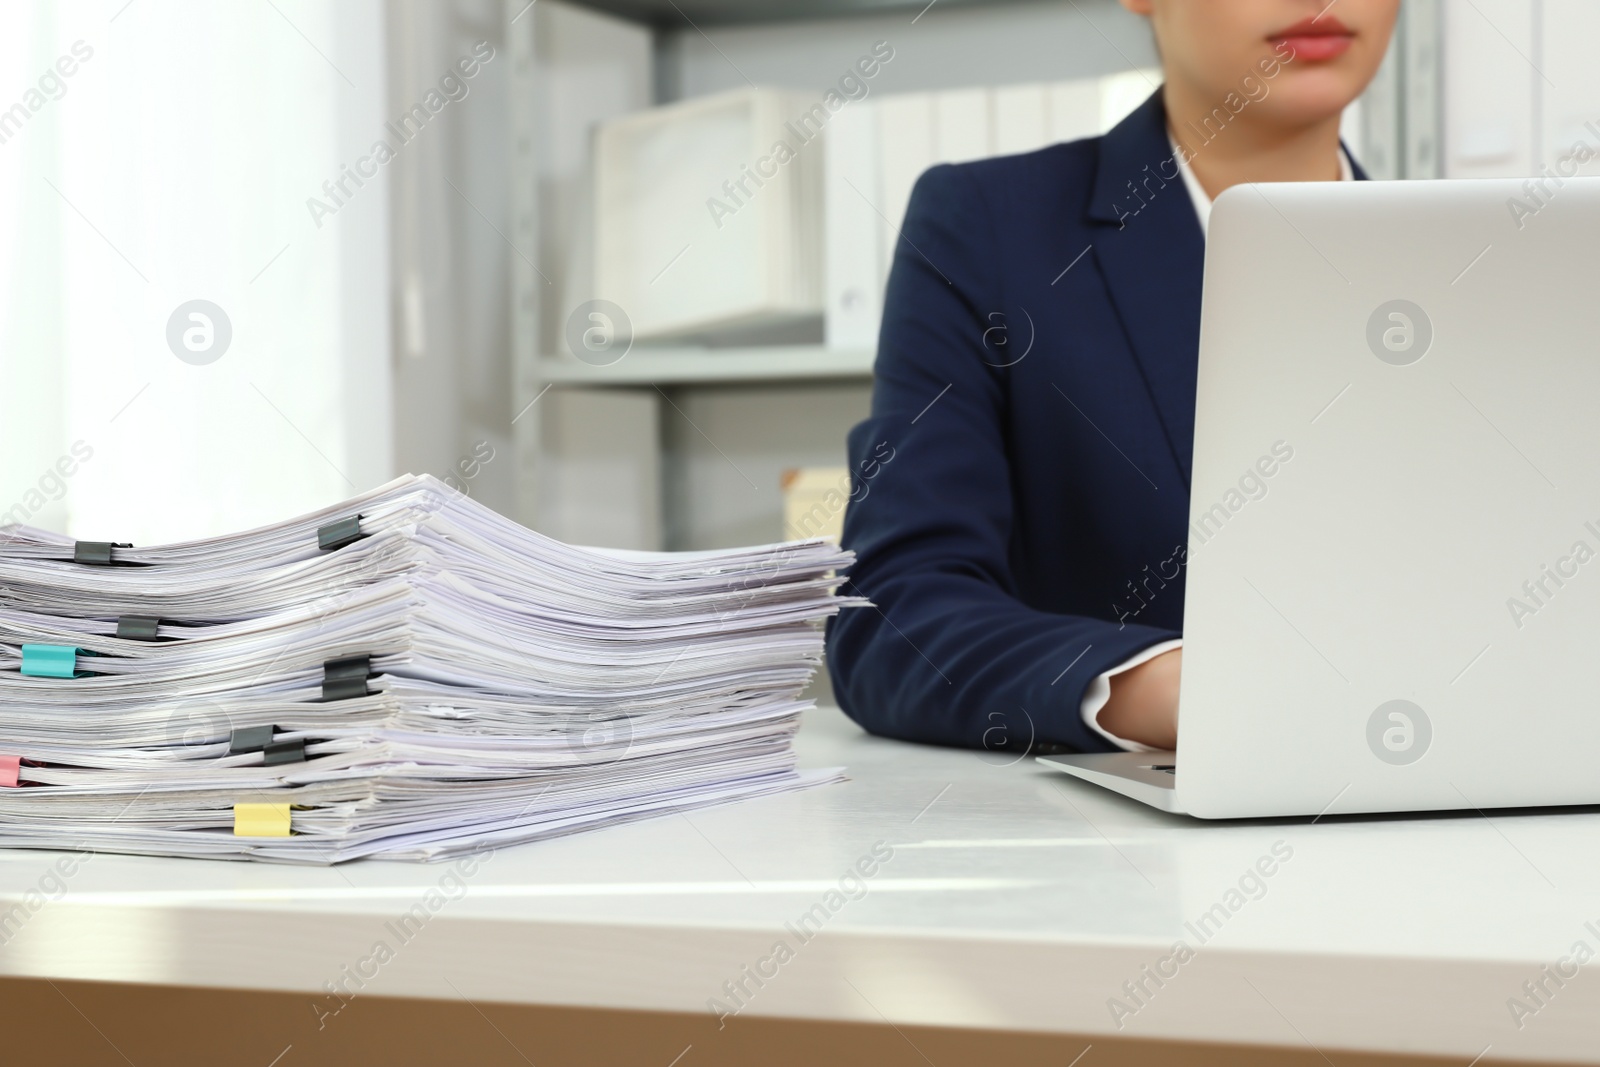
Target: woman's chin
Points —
{"points": [[1311, 99]]}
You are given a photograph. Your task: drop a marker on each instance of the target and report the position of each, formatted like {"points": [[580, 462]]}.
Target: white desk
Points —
{"points": [[1015, 899]]}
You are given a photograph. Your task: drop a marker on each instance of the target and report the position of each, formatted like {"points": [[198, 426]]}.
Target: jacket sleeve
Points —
{"points": [[949, 653]]}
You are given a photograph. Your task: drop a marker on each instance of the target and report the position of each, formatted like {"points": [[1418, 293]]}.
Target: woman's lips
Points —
{"points": [[1315, 40]]}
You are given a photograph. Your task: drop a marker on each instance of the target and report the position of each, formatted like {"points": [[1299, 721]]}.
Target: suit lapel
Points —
{"points": [[1356, 171], [1151, 253], [1148, 245]]}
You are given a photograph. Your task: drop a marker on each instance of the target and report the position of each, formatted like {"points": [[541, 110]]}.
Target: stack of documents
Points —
{"points": [[408, 674]]}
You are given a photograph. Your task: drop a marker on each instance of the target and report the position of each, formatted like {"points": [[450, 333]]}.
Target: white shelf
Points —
{"points": [[692, 366]]}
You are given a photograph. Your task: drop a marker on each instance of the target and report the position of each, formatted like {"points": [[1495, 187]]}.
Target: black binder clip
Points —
{"points": [[338, 534], [346, 678], [97, 553], [284, 752], [249, 739], [137, 627], [259, 739]]}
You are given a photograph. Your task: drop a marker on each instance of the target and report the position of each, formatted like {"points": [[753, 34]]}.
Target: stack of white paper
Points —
{"points": [[423, 680]]}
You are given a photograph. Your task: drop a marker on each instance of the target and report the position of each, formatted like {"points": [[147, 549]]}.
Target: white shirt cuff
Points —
{"points": [[1099, 691]]}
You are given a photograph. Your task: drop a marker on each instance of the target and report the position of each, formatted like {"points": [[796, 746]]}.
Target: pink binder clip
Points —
{"points": [[10, 769]]}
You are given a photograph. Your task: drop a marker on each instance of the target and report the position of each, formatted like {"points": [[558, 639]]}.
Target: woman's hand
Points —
{"points": [[1144, 702]]}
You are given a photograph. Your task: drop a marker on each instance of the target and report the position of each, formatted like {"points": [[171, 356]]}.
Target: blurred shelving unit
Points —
{"points": [[702, 366], [683, 448]]}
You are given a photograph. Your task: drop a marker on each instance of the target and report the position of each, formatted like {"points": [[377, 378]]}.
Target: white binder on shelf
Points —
{"points": [[906, 148], [1021, 118], [709, 217], [963, 125], [1073, 111], [856, 239]]}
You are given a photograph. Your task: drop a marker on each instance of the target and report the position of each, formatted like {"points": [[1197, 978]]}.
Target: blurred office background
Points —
{"points": [[221, 303]]}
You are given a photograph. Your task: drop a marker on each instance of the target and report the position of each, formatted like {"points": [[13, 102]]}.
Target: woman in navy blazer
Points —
{"points": [[1021, 490]]}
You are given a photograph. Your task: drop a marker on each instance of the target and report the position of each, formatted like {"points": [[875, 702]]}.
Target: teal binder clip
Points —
{"points": [[51, 661]]}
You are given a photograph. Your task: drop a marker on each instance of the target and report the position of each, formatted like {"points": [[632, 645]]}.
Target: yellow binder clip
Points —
{"points": [[261, 820]]}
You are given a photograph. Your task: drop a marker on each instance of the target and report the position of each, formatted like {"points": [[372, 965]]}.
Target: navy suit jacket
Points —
{"points": [[1020, 492]]}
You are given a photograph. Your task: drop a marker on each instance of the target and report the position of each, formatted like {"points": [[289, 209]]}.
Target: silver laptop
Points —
{"points": [[1393, 597]]}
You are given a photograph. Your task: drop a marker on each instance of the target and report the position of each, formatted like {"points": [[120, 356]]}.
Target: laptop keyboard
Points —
{"points": [[1165, 768]]}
